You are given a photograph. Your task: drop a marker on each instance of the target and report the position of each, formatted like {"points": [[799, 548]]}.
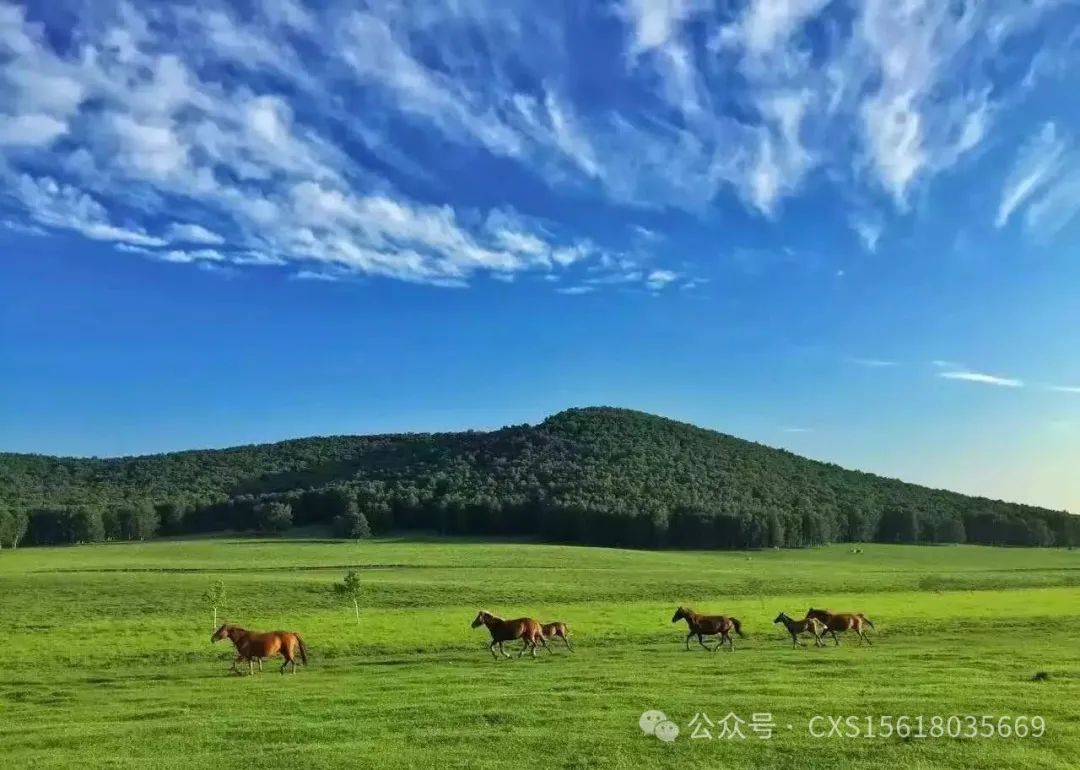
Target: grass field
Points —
{"points": [[107, 659]]}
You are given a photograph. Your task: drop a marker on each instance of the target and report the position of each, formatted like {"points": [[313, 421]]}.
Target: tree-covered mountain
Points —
{"points": [[597, 475]]}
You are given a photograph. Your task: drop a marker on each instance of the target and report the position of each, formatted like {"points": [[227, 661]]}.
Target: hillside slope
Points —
{"points": [[595, 475]]}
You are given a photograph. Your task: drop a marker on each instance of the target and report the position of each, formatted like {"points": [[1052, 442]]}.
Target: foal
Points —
{"points": [[807, 625], [556, 629], [708, 625], [526, 629], [842, 621]]}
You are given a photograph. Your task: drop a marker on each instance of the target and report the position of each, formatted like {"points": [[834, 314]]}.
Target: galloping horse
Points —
{"points": [[842, 621], [556, 629], [526, 629], [807, 625], [256, 645], [708, 625]]}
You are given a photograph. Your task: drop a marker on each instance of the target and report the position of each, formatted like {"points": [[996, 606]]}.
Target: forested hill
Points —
{"points": [[597, 475]]}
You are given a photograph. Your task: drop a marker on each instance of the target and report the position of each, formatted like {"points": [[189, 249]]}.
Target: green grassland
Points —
{"points": [[107, 659]]}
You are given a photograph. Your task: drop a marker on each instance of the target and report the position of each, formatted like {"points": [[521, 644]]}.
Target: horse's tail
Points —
{"points": [[303, 649], [738, 627], [867, 621]]}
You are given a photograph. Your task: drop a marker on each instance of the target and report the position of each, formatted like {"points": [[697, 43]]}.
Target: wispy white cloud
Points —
{"points": [[30, 130], [316, 275], [146, 128], [985, 379], [797, 429], [1058, 204], [1037, 162], [1044, 183], [192, 233], [575, 290], [658, 279], [63, 206], [1064, 388], [153, 109], [873, 363], [869, 230]]}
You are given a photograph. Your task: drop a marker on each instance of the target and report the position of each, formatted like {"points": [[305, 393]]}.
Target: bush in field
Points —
{"points": [[349, 587], [215, 597]]}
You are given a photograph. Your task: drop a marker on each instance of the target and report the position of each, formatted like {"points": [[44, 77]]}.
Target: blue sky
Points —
{"points": [[847, 229]]}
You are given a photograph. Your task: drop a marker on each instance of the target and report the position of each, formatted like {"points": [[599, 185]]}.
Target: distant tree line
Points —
{"points": [[595, 476]]}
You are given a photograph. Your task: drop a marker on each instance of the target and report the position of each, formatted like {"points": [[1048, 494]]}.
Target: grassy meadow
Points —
{"points": [[107, 659]]}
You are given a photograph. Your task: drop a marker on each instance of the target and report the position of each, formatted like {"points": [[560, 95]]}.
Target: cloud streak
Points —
{"points": [[1036, 164], [873, 363], [1044, 182], [981, 378]]}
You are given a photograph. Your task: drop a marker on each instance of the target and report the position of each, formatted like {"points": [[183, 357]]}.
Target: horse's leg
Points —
{"points": [[863, 635], [491, 647], [251, 666], [688, 637], [533, 643], [543, 641], [834, 637], [701, 641], [730, 642], [794, 641], [567, 643], [504, 652]]}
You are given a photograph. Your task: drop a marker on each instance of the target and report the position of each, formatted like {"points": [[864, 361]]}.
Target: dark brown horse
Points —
{"points": [[807, 625], [255, 645], [708, 625], [842, 621], [557, 629], [526, 629]]}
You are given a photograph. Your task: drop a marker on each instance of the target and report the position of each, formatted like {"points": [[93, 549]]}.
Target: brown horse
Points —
{"points": [[255, 645], [842, 621], [807, 625], [556, 629], [708, 625], [526, 629]]}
